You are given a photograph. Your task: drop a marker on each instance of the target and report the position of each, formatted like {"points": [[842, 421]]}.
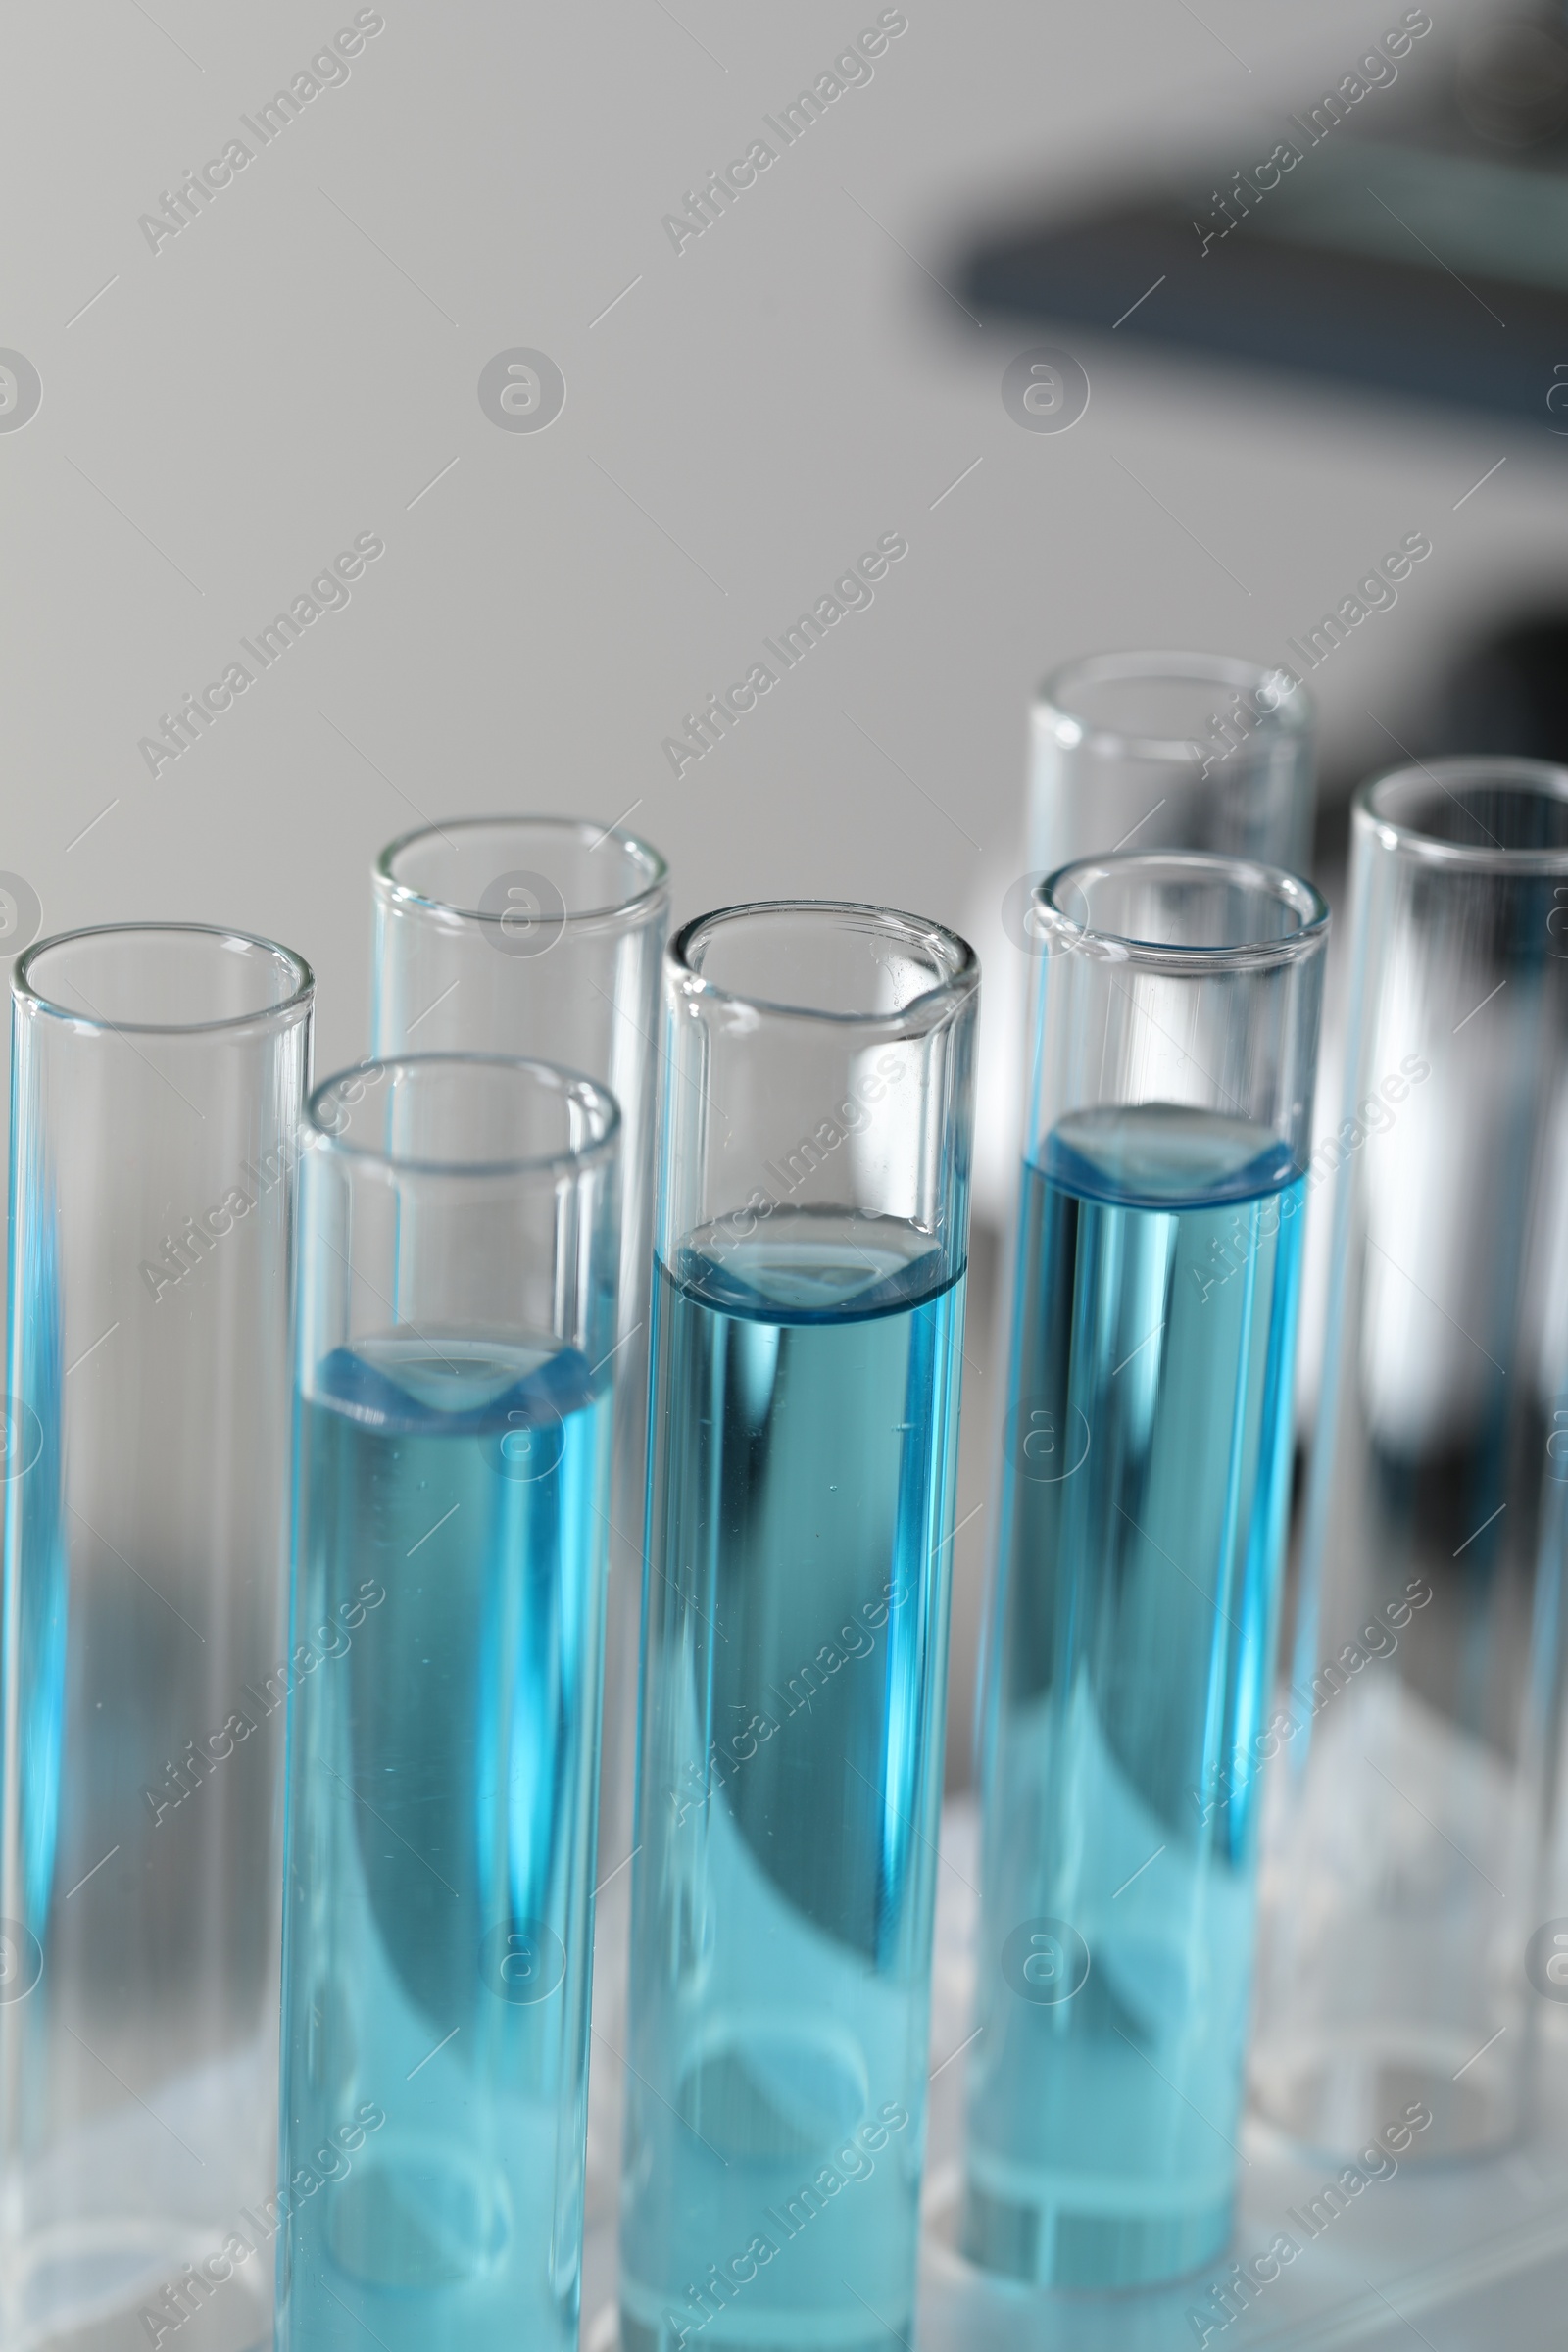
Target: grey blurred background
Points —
{"points": [[300, 364]]}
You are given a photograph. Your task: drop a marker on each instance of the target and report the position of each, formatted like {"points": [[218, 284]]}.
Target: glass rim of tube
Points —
{"points": [[959, 964], [548, 1077], [301, 977], [1436, 781], [1288, 712], [1059, 932], [652, 867]]}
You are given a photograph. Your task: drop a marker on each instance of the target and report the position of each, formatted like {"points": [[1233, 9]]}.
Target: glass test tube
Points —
{"points": [[457, 1319], [808, 1316], [1131, 1617], [158, 1077], [1147, 751], [1160, 751], [1402, 1957], [542, 935]]}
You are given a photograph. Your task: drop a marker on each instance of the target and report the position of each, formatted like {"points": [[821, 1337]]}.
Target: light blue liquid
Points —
{"points": [[1144, 1492], [804, 1447], [438, 1886]]}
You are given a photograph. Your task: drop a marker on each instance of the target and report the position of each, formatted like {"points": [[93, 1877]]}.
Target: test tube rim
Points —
{"points": [[1291, 719], [1543, 776], [1171, 956], [921, 1014], [390, 885], [599, 1149], [289, 1008]]}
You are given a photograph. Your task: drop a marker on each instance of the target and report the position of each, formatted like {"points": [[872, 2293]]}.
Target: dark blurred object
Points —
{"points": [[1512, 82], [1511, 695], [1413, 240]]}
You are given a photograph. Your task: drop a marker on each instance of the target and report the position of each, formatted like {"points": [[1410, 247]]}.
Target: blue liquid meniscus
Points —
{"points": [[795, 1651], [442, 1784], [1130, 1648]]}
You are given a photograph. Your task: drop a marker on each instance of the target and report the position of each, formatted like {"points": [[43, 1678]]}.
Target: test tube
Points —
{"points": [[456, 1348], [1132, 1616], [1144, 749], [808, 1316], [1407, 1951], [541, 936], [1171, 751], [158, 1076]]}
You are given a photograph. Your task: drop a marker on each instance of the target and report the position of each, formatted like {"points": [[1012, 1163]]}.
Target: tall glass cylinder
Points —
{"points": [[1144, 751], [158, 1074], [808, 1316], [542, 936], [456, 1373], [1131, 1619], [1157, 750], [1424, 1703]]}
